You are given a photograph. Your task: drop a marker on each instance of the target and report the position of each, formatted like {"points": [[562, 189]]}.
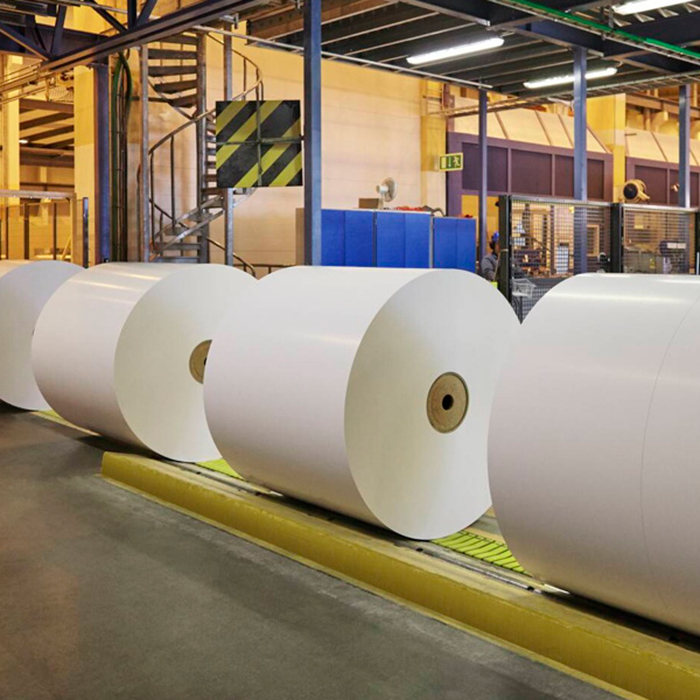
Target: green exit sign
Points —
{"points": [[452, 161]]}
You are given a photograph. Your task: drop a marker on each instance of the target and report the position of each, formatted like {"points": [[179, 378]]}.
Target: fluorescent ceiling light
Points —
{"points": [[634, 7], [23, 141], [454, 51], [567, 79]]}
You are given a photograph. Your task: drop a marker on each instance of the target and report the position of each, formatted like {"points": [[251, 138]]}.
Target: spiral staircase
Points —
{"points": [[177, 75]]}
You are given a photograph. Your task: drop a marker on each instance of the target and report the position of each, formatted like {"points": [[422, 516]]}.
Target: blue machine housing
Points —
{"points": [[368, 238]]}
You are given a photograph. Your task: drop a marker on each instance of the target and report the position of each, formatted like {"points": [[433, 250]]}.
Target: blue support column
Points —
{"points": [[483, 173], [580, 161], [103, 220], [684, 146], [312, 132], [580, 126]]}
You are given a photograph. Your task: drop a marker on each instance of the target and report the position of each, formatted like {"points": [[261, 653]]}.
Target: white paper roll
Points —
{"points": [[25, 287], [328, 391], [120, 350], [593, 443]]}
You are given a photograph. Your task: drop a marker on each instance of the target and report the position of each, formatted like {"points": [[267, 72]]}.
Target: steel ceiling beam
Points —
{"points": [[495, 63], [556, 25], [57, 39], [681, 29], [393, 41], [284, 23], [506, 17], [600, 30], [154, 30], [106, 16], [463, 62], [408, 47], [146, 12], [24, 41], [576, 38], [42, 121], [509, 68], [372, 21], [477, 11], [70, 40]]}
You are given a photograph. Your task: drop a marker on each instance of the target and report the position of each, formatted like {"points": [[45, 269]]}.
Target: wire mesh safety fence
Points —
{"points": [[36, 227], [658, 240], [545, 241]]}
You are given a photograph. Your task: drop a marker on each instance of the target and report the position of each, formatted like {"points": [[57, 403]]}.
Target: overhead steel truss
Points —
{"points": [[658, 47], [60, 49]]}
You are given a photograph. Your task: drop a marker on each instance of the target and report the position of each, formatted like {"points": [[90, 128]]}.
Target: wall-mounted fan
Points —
{"points": [[387, 190]]}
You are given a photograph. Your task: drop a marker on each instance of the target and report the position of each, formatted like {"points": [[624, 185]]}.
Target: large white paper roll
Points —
{"points": [[593, 443], [25, 287], [120, 349], [366, 391]]}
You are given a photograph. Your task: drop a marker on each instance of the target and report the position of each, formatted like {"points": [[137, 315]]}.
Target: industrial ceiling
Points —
{"points": [[649, 49], [536, 40]]}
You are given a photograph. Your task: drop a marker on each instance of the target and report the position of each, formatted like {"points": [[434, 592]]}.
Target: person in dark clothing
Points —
{"points": [[489, 263]]}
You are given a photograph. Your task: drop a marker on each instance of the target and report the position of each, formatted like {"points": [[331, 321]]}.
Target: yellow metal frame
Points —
{"points": [[621, 659]]}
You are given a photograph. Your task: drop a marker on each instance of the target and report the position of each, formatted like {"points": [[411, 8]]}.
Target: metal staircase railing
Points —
{"points": [[177, 235]]}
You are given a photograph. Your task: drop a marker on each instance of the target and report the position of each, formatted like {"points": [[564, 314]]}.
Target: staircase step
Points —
{"points": [[192, 259], [180, 39], [158, 71], [211, 191], [184, 246], [177, 86], [175, 54], [184, 101]]}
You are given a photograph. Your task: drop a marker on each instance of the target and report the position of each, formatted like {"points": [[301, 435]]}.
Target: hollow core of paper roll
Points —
{"points": [[25, 287]]}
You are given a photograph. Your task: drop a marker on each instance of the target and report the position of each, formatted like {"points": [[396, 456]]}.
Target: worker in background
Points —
{"points": [[489, 263]]}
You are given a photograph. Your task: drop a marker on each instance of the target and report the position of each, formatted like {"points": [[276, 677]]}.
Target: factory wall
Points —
{"points": [[374, 125]]}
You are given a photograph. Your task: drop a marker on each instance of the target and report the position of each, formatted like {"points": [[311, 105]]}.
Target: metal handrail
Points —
{"points": [[247, 267], [169, 139]]}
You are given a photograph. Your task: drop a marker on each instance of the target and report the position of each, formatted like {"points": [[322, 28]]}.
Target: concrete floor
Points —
{"points": [[104, 595]]}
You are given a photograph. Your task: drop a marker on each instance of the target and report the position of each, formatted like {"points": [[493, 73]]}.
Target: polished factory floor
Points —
{"points": [[104, 594]]}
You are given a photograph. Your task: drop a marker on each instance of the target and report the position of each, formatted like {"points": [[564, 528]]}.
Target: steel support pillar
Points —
{"points": [[483, 172], [580, 161], [684, 146], [312, 132], [145, 183], [103, 222], [228, 192], [201, 127], [580, 126]]}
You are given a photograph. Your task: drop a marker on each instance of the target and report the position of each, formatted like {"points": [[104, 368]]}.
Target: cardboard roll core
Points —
{"points": [[198, 360], [448, 401]]}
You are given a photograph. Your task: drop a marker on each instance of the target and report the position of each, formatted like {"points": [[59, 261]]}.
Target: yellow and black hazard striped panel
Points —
{"points": [[258, 143]]}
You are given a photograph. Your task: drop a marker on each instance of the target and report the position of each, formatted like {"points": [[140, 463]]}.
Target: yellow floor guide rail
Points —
{"points": [[615, 655]]}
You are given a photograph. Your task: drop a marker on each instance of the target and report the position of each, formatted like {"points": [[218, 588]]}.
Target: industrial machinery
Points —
{"points": [[635, 191]]}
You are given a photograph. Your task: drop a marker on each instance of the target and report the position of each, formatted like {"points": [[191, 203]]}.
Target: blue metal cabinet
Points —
{"points": [[348, 237], [403, 239], [454, 243], [365, 238]]}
